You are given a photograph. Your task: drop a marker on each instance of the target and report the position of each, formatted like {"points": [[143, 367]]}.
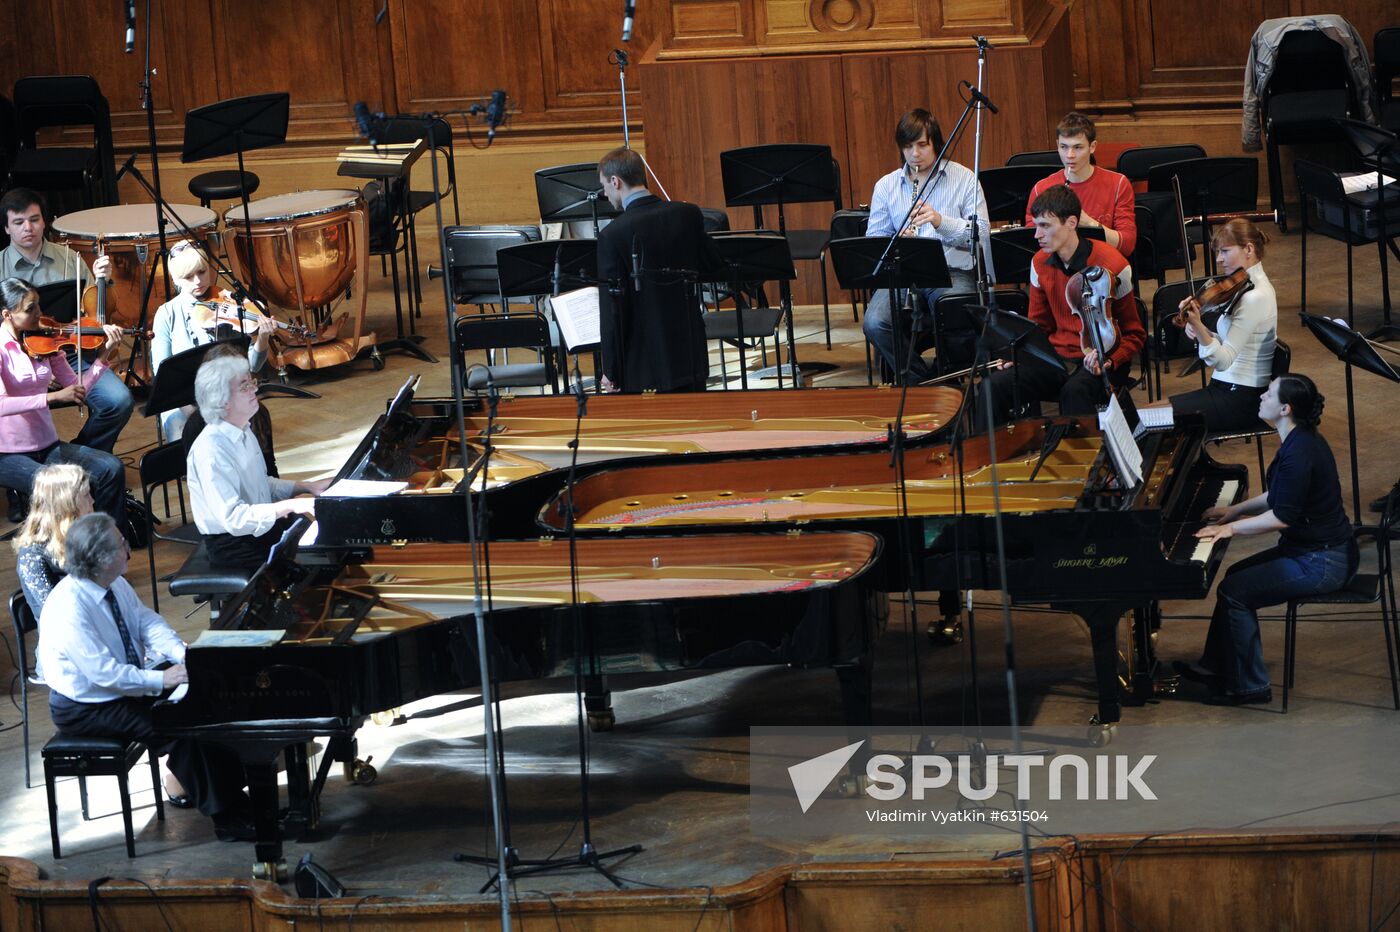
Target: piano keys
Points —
{"points": [[1073, 538], [313, 649], [416, 443]]}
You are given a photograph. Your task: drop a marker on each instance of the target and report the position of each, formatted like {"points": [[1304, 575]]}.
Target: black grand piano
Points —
{"points": [[414, 444], [313, 647], [1076, 537]]}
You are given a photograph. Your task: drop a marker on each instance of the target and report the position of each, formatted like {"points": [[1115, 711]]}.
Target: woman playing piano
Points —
{"points": [[1240, 350], [1316, 551]]}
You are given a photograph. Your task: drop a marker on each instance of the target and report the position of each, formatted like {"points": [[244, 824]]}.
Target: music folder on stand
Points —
{"points": [[1353, 349], [908, 262], [528, 270]]}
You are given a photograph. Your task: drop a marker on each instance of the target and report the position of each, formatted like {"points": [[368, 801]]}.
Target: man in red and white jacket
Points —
{"points": [[1077, 384]]}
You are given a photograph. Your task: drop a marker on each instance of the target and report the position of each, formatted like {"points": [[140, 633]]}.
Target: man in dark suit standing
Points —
{"points": [[652, 332]]}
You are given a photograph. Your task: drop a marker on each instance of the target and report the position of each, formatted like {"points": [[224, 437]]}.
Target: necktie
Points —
{"points": [[131, 656]]}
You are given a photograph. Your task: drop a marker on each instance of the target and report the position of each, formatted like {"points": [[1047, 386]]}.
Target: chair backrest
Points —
{"points": [[1371, 144], [1008, 188], [60, 100], [848, 223], [1385, 56], [497, 331], [24, 622], [471, 259], [406, 128], [1307, 60], [1283, 358], [1136, 163], [1319, 182], [1050, 157], [165, 463]]}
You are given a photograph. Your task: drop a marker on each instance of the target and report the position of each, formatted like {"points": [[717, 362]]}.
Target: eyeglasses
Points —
{"points": [[183, 245]]}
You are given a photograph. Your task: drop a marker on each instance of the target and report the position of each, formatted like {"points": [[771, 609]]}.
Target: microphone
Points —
{"points": [[636, 267], [126, 167], [495, 114], [980, 97], [629, 10], [364, 122], [130, 26]]}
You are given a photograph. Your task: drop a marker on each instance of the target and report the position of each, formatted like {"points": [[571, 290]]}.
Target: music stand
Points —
{"points": [[1008, 189], [1013, 249], [1353, 349], [749, 257], [233, 127], [59, 300], [172, 385], [528, 270], [566, 193], [1211, 185], [1379, 150], [782, 174], [1016, 333], [911, 262]]}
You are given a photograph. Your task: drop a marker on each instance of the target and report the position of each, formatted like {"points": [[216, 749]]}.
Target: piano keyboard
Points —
{"points": [[1201, 552]]}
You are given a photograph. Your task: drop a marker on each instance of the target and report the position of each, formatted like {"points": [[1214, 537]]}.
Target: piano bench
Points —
{"points": [[83, 757], [207, 583]]}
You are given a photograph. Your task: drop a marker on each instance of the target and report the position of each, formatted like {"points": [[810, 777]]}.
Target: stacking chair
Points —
{"points": [[22, 617], [388, 237], [1379, 151], [62, 101], [491, 332], [1137, 163], [1364, 589], [1050, 158], [1283, 359], [1385, 57], [160, 467], [471, 261], [1309, 88]]}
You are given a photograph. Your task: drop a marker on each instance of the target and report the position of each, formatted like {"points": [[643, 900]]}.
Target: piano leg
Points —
{"points": [[1102, 619], [597, 702], [262, 790], [302, 804]]}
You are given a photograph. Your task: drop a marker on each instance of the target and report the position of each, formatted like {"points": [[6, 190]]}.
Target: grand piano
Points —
{"points": [[315, 645], [1075, 536], [415, 443]]}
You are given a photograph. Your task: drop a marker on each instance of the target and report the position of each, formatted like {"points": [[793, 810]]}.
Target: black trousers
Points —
{"points": [[1078, 391], [1227, 408], [244, 552], [211, 775]]}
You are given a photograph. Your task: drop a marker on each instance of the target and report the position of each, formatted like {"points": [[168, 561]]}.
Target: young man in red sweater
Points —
{"points": [[1105, 195], [1077, 384]]}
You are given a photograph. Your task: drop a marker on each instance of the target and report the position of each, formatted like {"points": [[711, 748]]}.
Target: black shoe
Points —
{"points": [[234, 828], [1195, 673], [1378, 505], [1258, 697], [19, 506]]}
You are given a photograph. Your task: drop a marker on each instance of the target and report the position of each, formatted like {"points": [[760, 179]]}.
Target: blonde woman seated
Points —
{"points": [[61, 495], [190, 319]]}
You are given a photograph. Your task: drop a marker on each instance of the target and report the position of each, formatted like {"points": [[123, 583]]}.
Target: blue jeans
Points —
{"points": [[105, 472], [879, 323], [109, 408], [1233, 649]]}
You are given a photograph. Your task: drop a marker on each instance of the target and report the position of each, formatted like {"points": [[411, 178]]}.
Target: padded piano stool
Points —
{"points": [[197, 577], [84, 757]]}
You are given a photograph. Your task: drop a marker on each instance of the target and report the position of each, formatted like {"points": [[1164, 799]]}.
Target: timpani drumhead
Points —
{"points": [[132, 222], [283, 208]]}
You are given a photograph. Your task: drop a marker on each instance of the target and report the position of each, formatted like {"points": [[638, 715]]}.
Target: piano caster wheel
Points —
{"points": [[946, 633], [852, 785], [601, 721], [1166, 686], [361, 773], [275, 871], [1101, 734], [376, 359], [387, 717]]}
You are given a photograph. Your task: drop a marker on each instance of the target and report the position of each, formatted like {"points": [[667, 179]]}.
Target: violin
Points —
{"points": [[1087, 294], [1218, 295], [245, 318], [52, 337]]}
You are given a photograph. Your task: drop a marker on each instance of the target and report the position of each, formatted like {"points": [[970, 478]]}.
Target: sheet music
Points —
{"points": [[1156, 418], [363, 488], [576, 312], [1366, 181], [240, 637], [1127, 458]]}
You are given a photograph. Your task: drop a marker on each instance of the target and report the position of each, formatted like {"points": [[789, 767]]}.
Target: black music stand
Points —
{"points": [[567, 193], [529, 270], [750, 257], [233, 127], [1212, 185], [1379, 150], [59, 300], [909, 262], [172, 385], [789, 173], [1013, 249], [1004, 330], [1353, 349]]}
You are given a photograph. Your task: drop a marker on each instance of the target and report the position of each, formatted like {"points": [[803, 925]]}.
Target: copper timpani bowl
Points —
{"points": [[302, 244]]}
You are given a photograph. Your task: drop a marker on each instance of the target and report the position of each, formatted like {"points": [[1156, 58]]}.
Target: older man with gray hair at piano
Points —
{"points": [[238, 507]]}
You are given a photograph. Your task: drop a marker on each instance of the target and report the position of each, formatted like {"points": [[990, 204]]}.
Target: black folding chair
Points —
{"points": [[491, 332], [62, 101]]}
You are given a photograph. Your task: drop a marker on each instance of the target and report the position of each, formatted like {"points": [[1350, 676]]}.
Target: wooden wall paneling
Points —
{"points": [[793, 22], [709, 23], [576, 41], [1101, 43], [1182, 63], [1368, 16]]}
